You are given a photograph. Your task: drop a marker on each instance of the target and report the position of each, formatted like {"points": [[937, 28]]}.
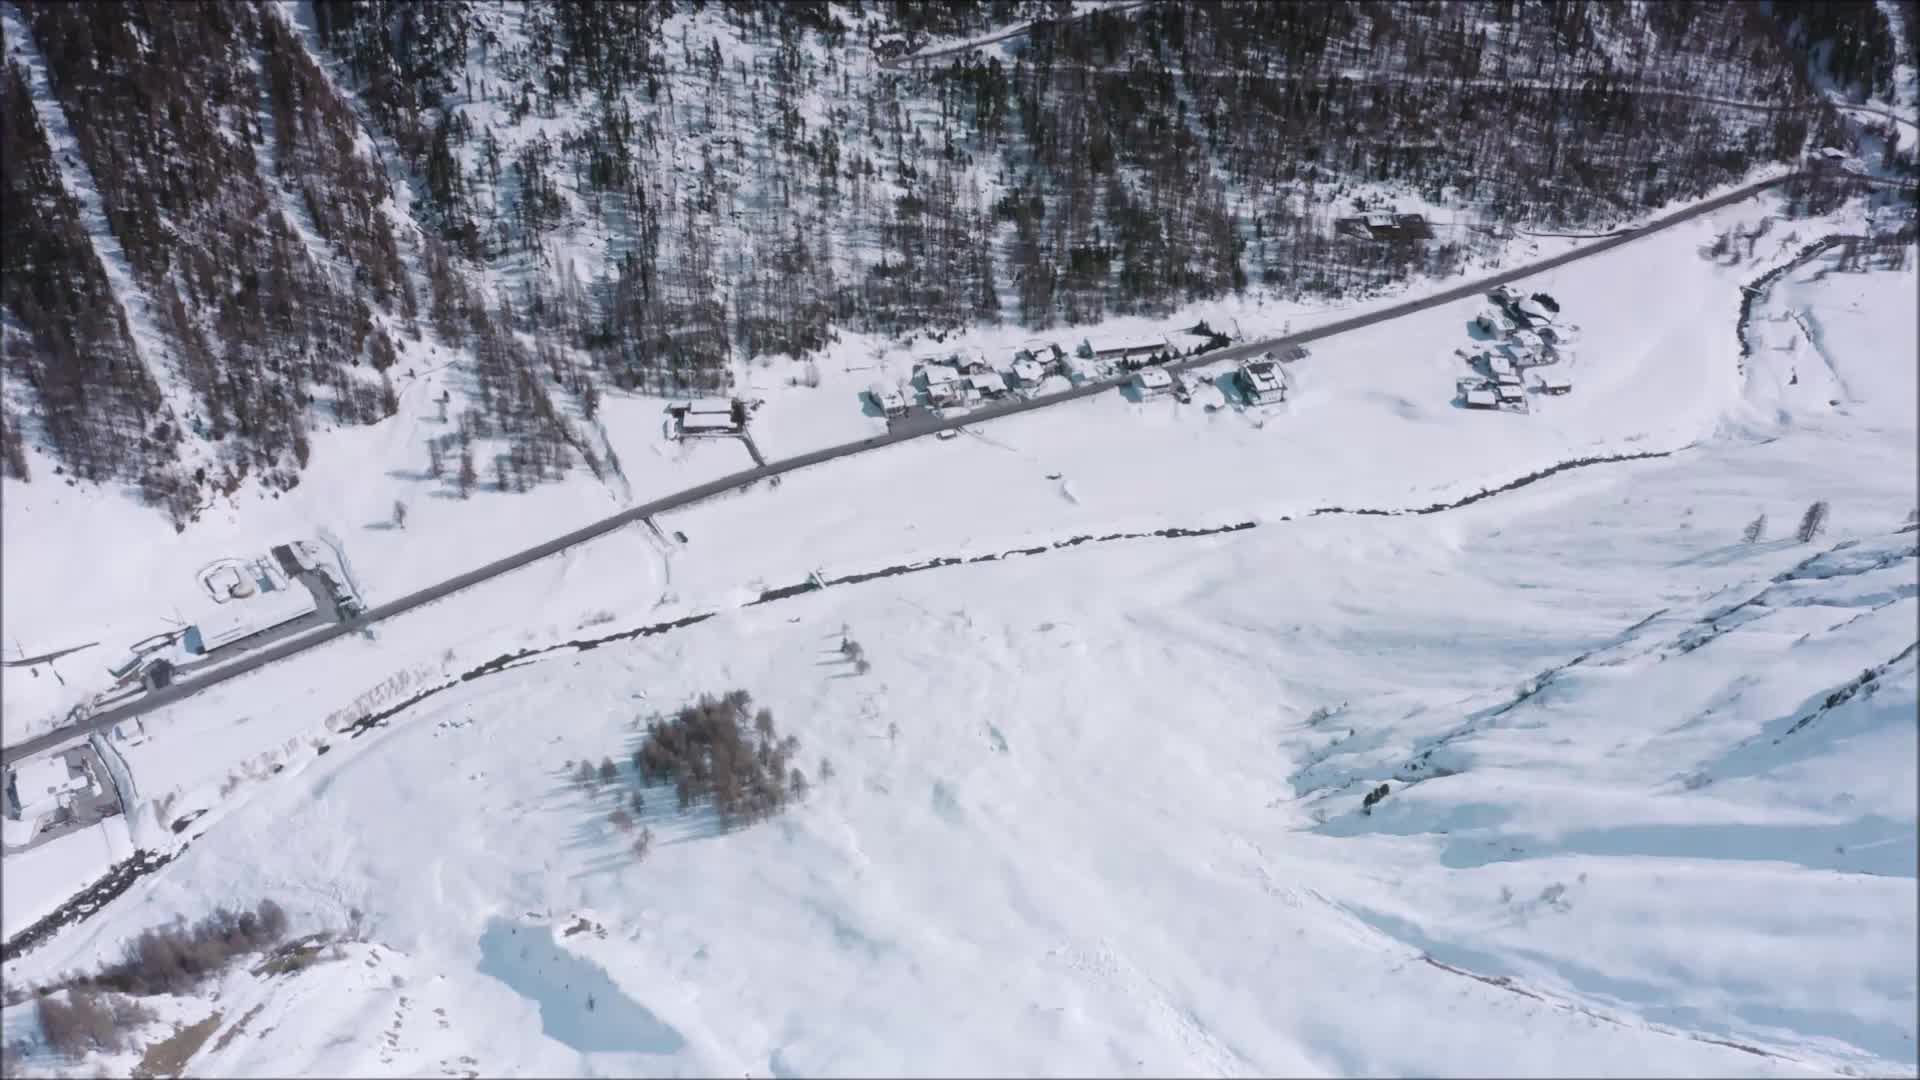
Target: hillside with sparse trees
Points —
{"points": [[581, 198]]}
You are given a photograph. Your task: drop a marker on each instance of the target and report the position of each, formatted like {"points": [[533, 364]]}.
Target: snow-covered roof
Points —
{"points": [[709, 406], [940, 373], [1555, 379], [694, 421], [1527, 339], [1481, 397], [1534, 309], [1507, 391], [1029, 371], [1154, 379], [987, 384], [37, 780], [1262, 375], [233, 621], [1500, 363]]}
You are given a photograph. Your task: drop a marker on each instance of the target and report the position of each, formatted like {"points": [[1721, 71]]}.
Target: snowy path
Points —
{"points": [[149, 344]]}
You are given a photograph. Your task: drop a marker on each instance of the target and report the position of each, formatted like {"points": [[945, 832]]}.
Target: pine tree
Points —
{"points": [[1813, 522]]}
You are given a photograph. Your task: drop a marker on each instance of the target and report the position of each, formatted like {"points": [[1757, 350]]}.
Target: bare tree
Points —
{"points": [[621, 820], [1756, 530], [608, 771], [583, 775], [643, 843], [399, 514], [1813, 522]]}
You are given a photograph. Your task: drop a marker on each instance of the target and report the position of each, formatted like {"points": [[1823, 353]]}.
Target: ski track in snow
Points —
{"points": [[149, 344]]}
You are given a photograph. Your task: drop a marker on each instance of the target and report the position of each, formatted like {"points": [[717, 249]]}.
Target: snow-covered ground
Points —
{"points": [[42, 877], [1373, 420], [1651, 788]]}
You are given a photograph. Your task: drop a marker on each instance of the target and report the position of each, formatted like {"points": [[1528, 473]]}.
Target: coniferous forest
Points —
{"points": [[223, 218]]}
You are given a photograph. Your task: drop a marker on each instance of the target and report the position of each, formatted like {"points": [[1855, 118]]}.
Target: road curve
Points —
{"points": [[293, 646]]}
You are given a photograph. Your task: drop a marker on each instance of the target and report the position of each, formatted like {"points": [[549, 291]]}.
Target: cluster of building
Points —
{"points": [[294, 587], [50, 795], [708, 417], [963, 379], [968, 378], [1528, 336]]}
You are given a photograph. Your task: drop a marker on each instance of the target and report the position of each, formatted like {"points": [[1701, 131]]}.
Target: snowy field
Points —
{"points": [[41, 878], [1651, 798], [1373, 419]]}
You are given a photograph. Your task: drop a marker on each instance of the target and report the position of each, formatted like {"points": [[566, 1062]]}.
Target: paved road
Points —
{"points": [[294, 646]]}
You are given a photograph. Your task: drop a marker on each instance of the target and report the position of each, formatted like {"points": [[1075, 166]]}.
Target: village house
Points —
{"points": [[1028, 374], [1480, 397], [1045, 353], [1527, 348], [973, 363], [1260, 381], [1496, 322], [891, 402], [39, 786], [1530, 312], [709, 416], [1152, 382], [989, 384], [1557, 334], [1555, 382], [1080, 369], [944, 386]]}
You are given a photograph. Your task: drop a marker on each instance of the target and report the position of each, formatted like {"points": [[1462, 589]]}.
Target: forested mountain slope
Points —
{"points": [[227, 222]]}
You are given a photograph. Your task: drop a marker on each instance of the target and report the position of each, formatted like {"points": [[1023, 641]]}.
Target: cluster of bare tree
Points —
{"points": [[171, 958], [81, 1021], [65, 338], [720, 750], [228, 172]]}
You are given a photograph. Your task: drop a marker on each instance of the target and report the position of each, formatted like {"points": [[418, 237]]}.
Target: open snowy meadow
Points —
{"points": [[1569, 780]]}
